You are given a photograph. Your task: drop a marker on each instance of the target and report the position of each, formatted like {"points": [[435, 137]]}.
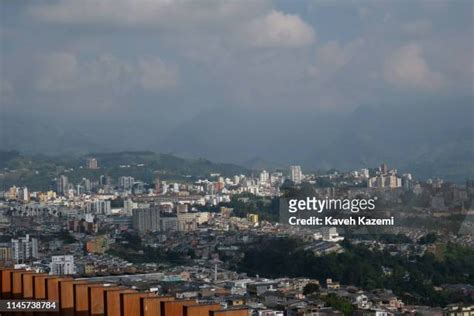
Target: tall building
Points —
{"points": [[12, 193], [407, 181], [165, 187], [128, 206], [176, 187], [236, 179], [146, 219], [5, 253], [277, 178], [383, 168], [264, 177], [296, 174], [62, 265], [105, 180], [385, 181], [168, 223], [126, 183], [364, 173], [23, 195], [86, 183], [218, 186], [80, 189], [102, 180], [62, 185], [24, 248], [92, 163], [157, 185], [99, 207], [187, 222]]}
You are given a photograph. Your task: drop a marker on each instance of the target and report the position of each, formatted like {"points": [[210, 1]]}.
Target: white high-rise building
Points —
{"points": [[146, 219], [128, 206], [99, 207], [62, 265], [62, 185], [80, 189], [92, 163], [277, 177], [187, 221], [24, 248], [236, 179], [296, 174], [24, 195], [87, 184], [165, 187], [364, 173], [385, 181], [126, 182], [264, 177]]}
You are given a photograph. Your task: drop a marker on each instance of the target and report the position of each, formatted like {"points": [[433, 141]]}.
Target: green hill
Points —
{"points": [[39, 172]]}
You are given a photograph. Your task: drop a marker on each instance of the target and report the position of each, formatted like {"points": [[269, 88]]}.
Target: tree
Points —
{"points": [[429, 238], [133, 240], [311, 288], [116, 203], [339, 303], [66, 237]]}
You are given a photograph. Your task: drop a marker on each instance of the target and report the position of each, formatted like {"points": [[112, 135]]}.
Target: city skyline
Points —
{"points": [[104, 223]]}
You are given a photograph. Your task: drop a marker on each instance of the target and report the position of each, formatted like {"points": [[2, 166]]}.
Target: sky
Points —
{"points": [[136, 73]]}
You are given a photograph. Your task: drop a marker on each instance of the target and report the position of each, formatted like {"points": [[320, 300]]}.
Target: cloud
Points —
{"points": [[157, 75], [253, 23], [164, 13], [332, 53], [277, 29], [62, 72], [6, 91], [58, 72], [243, 52], [332, 56], [406, 67], [138, 12], [417, 27]]}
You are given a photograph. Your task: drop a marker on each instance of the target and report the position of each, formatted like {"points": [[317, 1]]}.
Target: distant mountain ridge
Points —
{"points": [[426, 139], [38, 171], [159, 161], [429, 138]]}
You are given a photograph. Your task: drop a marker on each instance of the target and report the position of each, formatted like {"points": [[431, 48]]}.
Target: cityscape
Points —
{"points": [[200, 238], [237, 158]]}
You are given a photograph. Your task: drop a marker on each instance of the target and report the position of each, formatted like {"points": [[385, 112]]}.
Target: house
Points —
{"points": [[361, 301], [268, 312], [373, 312], [258, 288], [458, 310], [303, 309], [332, 285]]}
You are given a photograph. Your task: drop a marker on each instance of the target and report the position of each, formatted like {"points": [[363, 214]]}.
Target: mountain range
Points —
{"points": [[429, 139]]}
